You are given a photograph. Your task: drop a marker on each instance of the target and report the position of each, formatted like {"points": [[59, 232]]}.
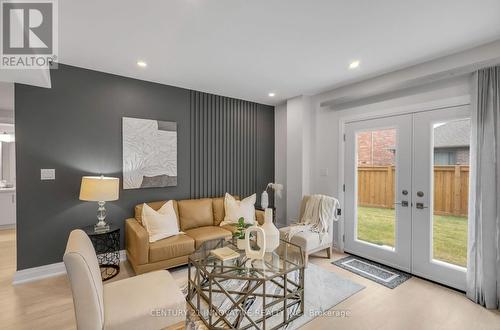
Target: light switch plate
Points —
{"points": [[47, 174], [323, 172]]}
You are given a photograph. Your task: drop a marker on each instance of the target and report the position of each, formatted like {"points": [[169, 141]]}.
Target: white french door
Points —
{"points": [[378, 190], [406, 192]]}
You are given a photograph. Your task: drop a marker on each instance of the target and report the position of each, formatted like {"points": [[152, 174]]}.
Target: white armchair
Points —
{"points": [[148, 301], [310, 242]]}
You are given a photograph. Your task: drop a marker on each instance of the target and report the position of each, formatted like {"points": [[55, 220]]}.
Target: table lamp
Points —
{"points": [[100, 189]]}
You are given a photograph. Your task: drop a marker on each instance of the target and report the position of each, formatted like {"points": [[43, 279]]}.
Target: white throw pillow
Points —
{"points": [[160, 224], [236, 209]]}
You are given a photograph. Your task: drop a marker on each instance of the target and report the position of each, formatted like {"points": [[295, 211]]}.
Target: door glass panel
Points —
{"points": [[451, 145], [376, 217]]}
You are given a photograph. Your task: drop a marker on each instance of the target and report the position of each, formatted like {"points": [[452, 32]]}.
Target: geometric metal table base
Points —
{"points": [[221, 293], [108, 272], [107, 248]]}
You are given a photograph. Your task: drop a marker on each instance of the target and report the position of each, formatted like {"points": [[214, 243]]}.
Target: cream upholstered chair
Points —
{"points": [[310, 242], [149, 301]]}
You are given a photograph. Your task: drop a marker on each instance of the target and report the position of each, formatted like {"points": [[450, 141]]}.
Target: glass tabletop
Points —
{"points": [[90, 230], [286, 258]]}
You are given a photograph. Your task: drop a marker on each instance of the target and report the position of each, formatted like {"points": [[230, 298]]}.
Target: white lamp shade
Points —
{"points": [[99, 188]]}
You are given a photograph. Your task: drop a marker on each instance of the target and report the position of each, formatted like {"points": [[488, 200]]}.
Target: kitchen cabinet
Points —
{"points": [[7, 207]]}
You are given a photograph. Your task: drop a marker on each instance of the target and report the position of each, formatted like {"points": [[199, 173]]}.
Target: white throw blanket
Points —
{"points": [[319, 211]]}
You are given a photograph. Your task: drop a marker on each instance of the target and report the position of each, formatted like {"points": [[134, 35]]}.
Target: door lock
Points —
{"points": [[420, 206], [420, 193], [403, 203]]}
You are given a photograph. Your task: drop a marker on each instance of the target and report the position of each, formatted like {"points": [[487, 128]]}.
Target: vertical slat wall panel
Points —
{"points": [[223, 146]]}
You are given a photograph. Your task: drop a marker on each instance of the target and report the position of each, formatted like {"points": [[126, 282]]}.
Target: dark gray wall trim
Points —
{"points": [[225, 145], [76, 128]]}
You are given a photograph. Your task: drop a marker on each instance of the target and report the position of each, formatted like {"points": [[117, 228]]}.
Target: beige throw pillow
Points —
{"points": [[235, 209], [160, 224]]}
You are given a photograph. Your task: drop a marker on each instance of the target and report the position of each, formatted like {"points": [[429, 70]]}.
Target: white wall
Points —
{"points": [[280, 160], [312, 161], [311, 128], [294, 156], [293, 127], [327, 134], [327, 140]]}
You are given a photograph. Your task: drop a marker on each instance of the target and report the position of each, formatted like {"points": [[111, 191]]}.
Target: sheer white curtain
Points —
{"points": [[483, 266]]}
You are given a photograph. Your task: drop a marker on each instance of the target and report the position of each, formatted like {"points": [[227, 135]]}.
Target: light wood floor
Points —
{"points": [[416, 304]]}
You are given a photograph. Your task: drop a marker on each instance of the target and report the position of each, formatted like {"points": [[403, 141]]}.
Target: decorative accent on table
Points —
{"points": [[254, 254], [264, 199], [239, 234], [149, 153], [100, 189], [271, 233], [225, 253]]}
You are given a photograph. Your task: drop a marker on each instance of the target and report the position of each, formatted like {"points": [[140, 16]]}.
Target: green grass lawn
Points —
{"points": [[376, 225]]}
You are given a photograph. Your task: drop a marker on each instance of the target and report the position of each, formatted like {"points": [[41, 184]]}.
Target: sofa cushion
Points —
{"points": [[207, 233], [160, 224], [218, 207], [155, 206], [234, 209], [195, 213], [171, 247], [231, 228]]}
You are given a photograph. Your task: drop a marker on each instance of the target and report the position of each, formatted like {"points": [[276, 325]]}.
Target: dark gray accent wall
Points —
{"points": [[75, 128], [231, 144]]}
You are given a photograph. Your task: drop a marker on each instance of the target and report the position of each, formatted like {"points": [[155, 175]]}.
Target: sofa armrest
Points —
{"points": [[137, 241], [259, 216]]}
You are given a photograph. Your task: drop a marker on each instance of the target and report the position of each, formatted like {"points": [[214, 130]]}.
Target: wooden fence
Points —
{"points": [[451, 188]]}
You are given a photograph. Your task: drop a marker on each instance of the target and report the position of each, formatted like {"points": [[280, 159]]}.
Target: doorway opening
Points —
{"points": [[406, 197]]}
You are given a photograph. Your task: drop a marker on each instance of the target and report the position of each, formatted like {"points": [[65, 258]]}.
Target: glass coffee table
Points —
{"points": [[246, 294]]}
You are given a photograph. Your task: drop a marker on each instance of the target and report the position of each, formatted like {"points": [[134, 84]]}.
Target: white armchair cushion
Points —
{"points": [[148, 301], [307, 240]]}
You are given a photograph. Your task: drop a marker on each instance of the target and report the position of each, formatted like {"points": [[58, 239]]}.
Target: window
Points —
{"points": [[443, 157]]}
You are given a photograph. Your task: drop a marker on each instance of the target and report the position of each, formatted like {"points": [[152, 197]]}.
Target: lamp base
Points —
{"points": [[98, 228], [101, 225]]}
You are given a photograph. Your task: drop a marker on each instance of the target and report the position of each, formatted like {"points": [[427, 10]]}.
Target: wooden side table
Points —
{"points": [[107, 248]]}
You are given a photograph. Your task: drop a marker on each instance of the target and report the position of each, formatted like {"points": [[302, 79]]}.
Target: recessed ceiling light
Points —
{"points": [[142, 64], [4, 137], [271, 94], [354, 64]]}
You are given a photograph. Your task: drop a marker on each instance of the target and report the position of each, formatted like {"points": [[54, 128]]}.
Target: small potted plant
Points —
{"points": [[239, 234]]}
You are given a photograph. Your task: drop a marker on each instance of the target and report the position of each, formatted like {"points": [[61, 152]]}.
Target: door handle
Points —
{"points": [[420, 206], [402, 203]]}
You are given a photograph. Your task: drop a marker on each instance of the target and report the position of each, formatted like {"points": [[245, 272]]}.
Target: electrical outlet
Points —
{"points": [[47, 174]]}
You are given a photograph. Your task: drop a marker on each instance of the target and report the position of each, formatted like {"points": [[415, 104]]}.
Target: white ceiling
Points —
{"points": [[246, 49]]}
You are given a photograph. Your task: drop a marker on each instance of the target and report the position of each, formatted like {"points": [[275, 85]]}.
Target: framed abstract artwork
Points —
{"points": [[149, 153]]}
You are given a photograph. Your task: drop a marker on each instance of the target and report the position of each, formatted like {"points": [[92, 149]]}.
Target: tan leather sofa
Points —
{"points": [[199, 220]]}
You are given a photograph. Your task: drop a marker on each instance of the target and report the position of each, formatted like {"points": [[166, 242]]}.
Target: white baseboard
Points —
{"points": [[39, 273]]}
